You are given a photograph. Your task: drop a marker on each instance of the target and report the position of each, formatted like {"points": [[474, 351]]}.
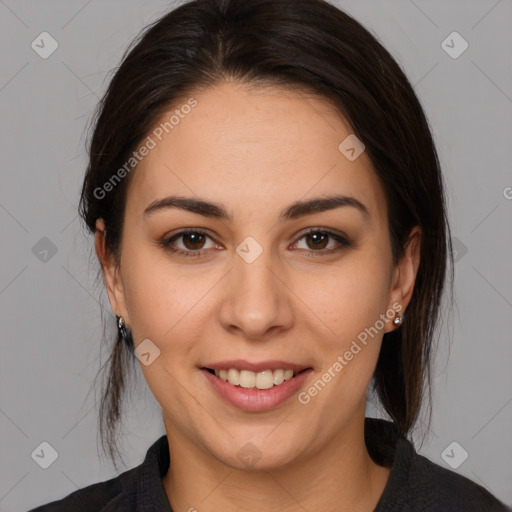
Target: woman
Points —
{"points": [[270, 220]]}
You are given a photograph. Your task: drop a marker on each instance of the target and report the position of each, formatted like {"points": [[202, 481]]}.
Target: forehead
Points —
{"points": [[252, 148]]}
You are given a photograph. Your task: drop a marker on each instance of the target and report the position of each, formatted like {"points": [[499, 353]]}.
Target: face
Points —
{"points": [[288, 288]]}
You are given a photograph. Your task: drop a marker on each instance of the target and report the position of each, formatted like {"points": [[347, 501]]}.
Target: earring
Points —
{"points": [[121, 327], [398, 320]]}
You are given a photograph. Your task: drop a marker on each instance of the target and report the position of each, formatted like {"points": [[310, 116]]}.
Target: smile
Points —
{"points": [[255, 391], [260, 380]]}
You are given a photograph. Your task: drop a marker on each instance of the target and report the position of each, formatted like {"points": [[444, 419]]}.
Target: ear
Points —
{"points": [[111, 273], [404, 275]]}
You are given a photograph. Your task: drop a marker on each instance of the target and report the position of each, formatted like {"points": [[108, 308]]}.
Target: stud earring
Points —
{"points": [[398, 320], [121, 327]]}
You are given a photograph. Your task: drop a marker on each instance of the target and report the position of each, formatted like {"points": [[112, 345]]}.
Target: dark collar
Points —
{"points": [[145, 481]]}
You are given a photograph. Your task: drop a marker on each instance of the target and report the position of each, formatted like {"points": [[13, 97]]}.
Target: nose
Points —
{"points": [[258, 298]]}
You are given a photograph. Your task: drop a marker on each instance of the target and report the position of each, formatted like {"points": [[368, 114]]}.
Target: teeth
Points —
{"points": [[261, 380]]}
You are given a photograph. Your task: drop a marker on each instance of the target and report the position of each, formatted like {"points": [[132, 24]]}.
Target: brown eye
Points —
{"points": [[319, 240], [193, 240]]}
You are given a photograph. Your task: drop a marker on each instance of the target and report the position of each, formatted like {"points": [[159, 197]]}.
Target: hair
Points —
{"points": [[307, 46]]}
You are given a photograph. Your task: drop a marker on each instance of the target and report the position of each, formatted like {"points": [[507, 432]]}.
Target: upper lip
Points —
{"points": [[241, 364]]}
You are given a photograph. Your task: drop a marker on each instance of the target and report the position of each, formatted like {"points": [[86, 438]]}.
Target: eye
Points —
{"points": [[192, 241], [317, 239]]}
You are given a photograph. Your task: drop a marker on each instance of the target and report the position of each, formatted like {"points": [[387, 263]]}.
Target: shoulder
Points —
{"points": [[139, 488], [438, 488], [104, 496], [416, 483]]}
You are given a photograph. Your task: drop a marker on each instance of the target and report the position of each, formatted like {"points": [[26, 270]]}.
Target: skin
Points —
{"points": [[257, 150]]}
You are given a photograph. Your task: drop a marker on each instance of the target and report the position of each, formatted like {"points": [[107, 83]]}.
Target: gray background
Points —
{"points": [[50, 306]]}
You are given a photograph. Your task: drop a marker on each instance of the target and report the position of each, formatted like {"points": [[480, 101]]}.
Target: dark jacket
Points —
{"points": [[415, 483]]}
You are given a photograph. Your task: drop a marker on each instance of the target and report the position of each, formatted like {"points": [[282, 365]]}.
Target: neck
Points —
{"points": [[342, 476]]}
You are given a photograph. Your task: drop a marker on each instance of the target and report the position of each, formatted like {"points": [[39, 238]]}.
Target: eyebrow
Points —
{"points": [[293, 211]]}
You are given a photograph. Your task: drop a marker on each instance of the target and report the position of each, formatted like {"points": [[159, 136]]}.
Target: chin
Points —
{"points": [[254, 455]]}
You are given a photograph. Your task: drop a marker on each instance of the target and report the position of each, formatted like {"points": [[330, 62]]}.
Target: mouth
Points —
{"points": [[272, 384], [248, 379]]}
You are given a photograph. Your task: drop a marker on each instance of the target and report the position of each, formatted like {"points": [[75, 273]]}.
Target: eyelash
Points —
{"points": [[343, 241]]}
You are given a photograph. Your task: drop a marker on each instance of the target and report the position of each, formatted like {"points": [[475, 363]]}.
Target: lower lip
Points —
{"points": [[254, 399]]}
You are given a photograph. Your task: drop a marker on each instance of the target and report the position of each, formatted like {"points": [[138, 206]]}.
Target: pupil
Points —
{"points": [[316, 237], [192, 236]]}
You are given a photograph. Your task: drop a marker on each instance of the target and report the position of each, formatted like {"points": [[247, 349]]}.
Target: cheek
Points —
{"points": [[171, 303], [167, 302], [350, 297]]}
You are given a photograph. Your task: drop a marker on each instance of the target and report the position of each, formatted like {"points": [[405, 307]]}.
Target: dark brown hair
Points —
{"points": [[311, 46]]}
